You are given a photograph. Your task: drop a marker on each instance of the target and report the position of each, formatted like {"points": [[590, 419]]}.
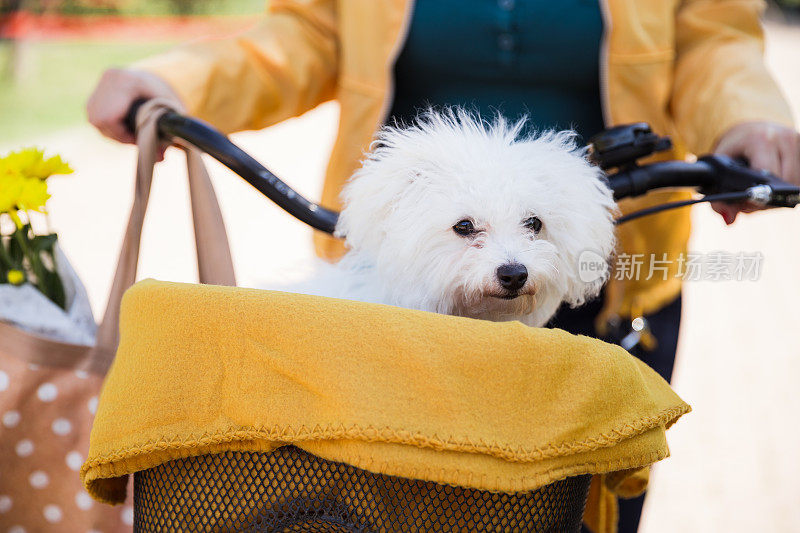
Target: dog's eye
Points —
{"points": [[464, 227], [533, 223]]}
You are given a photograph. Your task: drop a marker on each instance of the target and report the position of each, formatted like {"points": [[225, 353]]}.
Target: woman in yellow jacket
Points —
{"points": [[693, 69]]}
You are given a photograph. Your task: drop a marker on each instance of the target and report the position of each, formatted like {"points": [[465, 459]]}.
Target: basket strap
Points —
{"points": [[215, 265], [214, 261]]}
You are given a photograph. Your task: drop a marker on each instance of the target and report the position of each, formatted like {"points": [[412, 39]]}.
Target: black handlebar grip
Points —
{"points": [[130, 117]]}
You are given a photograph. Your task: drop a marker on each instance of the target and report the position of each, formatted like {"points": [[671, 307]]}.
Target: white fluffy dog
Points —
{"points": [[457, 216]]}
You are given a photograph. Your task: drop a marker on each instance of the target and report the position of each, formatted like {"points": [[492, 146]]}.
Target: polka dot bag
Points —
{"points": [[49, 389], [47, 413]]}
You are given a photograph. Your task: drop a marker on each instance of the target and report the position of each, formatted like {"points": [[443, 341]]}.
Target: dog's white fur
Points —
{"points": [[417, 182]]}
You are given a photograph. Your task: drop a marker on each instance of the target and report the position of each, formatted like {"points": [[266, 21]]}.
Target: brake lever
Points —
{"points": [[764, 187]]}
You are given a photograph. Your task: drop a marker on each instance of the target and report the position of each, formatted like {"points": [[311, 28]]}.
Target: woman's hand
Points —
{"points": [[765, 145], [113, 96]]}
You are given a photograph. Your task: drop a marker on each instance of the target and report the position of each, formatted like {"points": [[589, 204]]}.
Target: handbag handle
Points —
{"points": [[214, 262]]}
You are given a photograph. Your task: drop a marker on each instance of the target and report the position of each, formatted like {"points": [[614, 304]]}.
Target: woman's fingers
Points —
{"points": [[789, 146], [763, 155], [766, 146], [115, 92], [728, 212]]}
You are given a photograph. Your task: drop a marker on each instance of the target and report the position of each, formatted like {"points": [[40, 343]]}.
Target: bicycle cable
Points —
{"points": [[727, 197]]}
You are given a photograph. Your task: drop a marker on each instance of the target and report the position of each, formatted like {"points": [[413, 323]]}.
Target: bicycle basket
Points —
{"points": [[291, 490], [246, 410]]}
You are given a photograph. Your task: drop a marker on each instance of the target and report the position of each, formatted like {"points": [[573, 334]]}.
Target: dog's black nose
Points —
{"points": [[512, 276]]}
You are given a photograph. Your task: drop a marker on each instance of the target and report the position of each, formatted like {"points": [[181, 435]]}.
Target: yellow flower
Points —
{"points": [[18, 192], [22, 180], [30, 163], [15, 277], [33, 195], [11, 185]]}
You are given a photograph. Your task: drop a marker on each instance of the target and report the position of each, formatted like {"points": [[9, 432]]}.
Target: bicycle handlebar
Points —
{"points": [[217, 145], [712, 174]]}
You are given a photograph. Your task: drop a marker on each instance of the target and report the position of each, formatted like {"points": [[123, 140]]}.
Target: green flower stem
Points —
{"points": [[21, 236], [4, 256]]}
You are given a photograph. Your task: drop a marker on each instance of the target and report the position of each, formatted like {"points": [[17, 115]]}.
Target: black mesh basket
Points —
{"points": [[292, 490]]}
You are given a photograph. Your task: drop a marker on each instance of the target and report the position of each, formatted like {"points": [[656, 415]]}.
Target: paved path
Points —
{"points": [[735, 463]]}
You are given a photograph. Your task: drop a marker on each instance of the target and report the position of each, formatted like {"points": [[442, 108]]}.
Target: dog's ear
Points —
{"points": [[591, 239], [584, 229], [370, 197]]}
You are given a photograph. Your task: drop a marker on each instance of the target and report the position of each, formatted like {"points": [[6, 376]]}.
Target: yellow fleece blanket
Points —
{"points": [[492, 406]]}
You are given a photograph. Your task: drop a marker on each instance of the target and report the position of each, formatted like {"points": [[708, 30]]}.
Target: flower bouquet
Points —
{"points": [[39, 291]]}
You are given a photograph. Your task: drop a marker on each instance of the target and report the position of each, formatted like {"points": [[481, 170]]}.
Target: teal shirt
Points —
{"points": [[532, 57]]}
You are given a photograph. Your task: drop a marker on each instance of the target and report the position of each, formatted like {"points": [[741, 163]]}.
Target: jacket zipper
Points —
{"points": [[398, 46], [605, 104]]}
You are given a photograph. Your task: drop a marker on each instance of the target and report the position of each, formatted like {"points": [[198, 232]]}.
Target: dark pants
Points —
{"points": [[664, 325]]}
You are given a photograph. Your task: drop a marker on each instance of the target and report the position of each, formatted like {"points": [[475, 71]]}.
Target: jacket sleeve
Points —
{"points": [[282, 68], [720, 76]]}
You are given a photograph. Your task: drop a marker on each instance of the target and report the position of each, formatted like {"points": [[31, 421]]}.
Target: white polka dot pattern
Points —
{"points": [[24, 448], [39, 479], [45, 418], [47, 392], [11, 419], [53, 513], [61, 426], [84, 501], [74, 461], [5, 504], [127, 515]]}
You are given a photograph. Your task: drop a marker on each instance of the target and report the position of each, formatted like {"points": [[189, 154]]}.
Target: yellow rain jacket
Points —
{"points": [[692, 69]]}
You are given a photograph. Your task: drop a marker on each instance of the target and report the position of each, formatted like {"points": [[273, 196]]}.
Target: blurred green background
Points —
{"points": [[134, 7], [46, 79], [52, 91]]}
